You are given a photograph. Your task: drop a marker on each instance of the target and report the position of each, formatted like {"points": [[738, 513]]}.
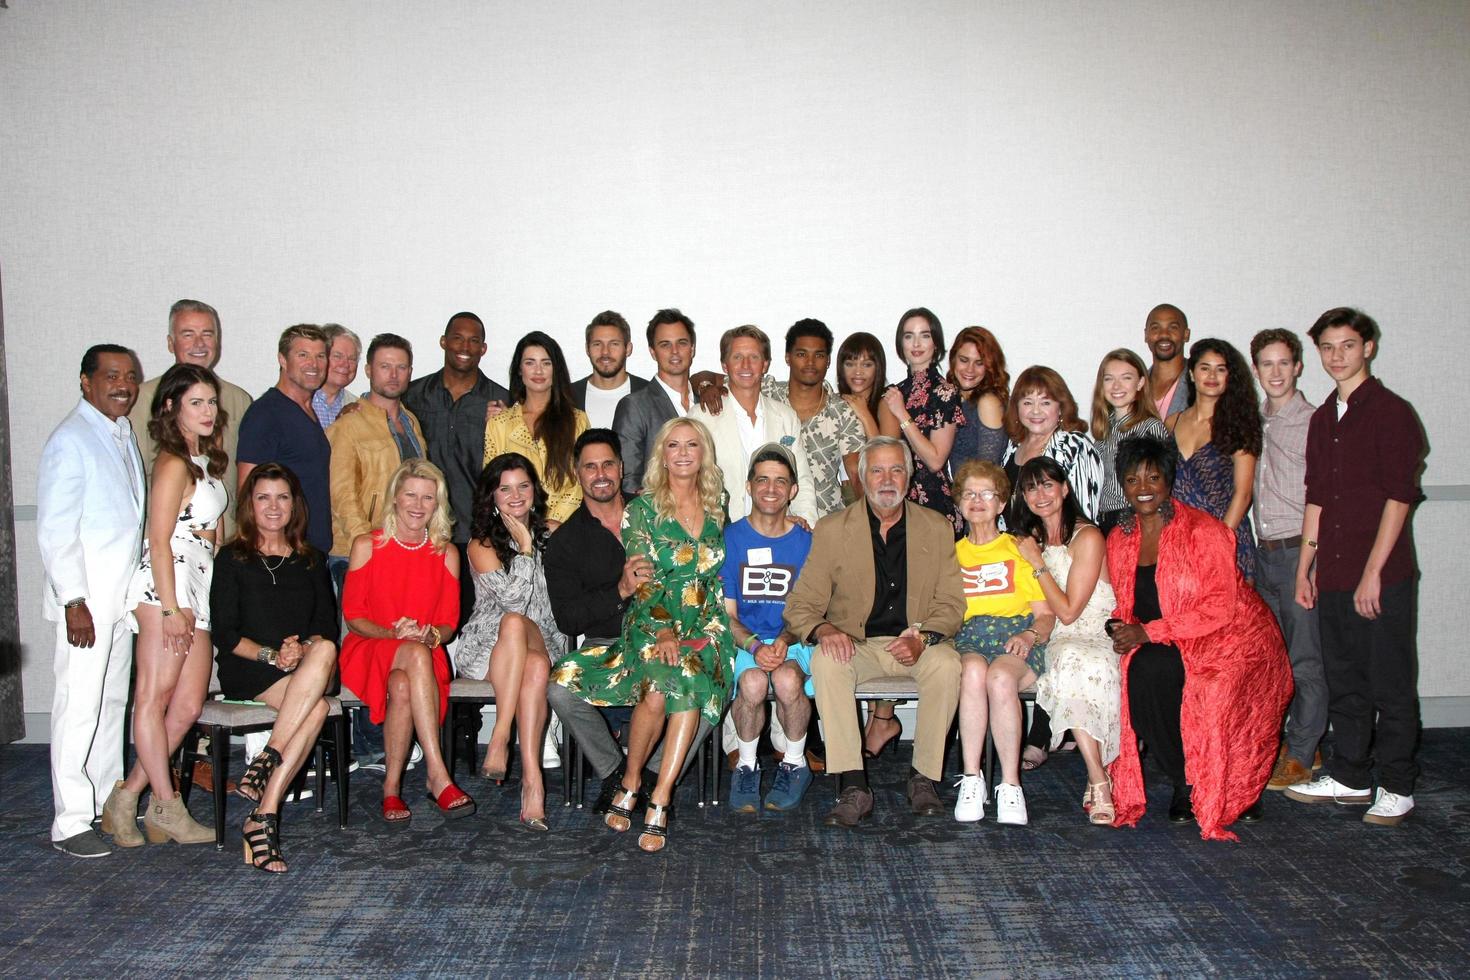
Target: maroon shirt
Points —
{"points": [[1354, 466]]}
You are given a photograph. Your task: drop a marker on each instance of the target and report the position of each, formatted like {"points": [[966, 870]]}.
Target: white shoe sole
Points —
{"points": [[1012, 821], [975, 819], [1385, 820], [1292, 793]]}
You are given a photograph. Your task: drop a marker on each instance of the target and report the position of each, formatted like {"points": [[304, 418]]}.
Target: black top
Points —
{"points": [[890, 578], [584, 562], [455, 432], [1146, 595], [245, 603], [277, 430]]}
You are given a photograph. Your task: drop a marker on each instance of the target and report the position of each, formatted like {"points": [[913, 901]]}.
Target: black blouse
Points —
{"points": [[266, 599]]}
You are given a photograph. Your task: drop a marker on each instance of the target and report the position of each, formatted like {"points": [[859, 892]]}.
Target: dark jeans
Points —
{"points": [[1372, 679], [1306, 719], [1155, 694]]}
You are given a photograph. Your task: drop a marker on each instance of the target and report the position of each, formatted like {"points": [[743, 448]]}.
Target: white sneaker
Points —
{"points": [[1389, 809], [1010, 805], [1325, 789], [416, 756], [971, 805], [551, 745]]}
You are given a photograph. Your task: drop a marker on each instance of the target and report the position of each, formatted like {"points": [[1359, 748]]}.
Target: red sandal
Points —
{"points": [[396, 813], [453, 802]]}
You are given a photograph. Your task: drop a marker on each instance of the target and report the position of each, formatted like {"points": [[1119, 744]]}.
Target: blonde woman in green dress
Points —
{"points": [[674, 658]]}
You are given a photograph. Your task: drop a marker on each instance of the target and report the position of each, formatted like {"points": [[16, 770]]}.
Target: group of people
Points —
{"points": [[692, 546]]}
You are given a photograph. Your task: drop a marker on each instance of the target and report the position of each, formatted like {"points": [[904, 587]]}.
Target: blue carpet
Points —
{"points": [[1309, 891]]}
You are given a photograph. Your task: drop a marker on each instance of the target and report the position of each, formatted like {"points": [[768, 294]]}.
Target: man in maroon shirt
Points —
{"points": [[1364, 447]]}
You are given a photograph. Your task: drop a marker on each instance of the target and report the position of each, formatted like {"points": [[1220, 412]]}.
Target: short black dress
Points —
{"points": [[266, 599]]}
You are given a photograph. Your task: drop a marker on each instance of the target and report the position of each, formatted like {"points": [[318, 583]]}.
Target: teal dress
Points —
{"points": [[684, 593]]}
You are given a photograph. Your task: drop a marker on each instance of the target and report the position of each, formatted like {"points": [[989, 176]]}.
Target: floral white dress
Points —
{"points": [[193, 556], [1081, 686]]}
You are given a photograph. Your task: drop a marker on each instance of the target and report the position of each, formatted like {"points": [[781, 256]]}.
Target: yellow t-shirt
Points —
{"points": [[998, 581]]}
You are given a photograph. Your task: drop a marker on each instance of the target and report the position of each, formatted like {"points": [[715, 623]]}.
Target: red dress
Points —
{"points": [[1237, 678], [395, 582]]}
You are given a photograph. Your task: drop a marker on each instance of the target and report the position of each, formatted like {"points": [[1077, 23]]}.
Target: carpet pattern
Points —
{"points": [[1309, 891]]}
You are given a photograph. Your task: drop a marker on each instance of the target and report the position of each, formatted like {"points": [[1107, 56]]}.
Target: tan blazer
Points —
{"points": [[837, 582], [364, 459]]}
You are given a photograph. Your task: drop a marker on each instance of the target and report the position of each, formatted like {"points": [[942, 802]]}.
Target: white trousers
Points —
{"points": [[87, 724]]}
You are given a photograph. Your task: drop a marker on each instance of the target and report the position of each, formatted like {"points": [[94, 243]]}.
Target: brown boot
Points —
{"points": [[1288, 772], [170, 820], [120, 817]]}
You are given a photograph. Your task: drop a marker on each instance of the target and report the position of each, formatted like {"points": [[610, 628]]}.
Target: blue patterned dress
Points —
{"points": [[1206, 480]]}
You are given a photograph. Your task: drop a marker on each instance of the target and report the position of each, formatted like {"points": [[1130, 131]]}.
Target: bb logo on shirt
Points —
{"points": [[766, 581], [991, 578]]}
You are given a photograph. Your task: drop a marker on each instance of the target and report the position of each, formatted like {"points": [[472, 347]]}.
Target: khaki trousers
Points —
{"points": [[937, 673]]}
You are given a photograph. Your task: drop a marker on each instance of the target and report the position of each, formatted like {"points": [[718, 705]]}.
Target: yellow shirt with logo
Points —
{"points": [[998, 581]]}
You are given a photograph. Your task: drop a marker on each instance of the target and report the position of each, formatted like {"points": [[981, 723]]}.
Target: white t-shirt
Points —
{"points": [[601, 404]]}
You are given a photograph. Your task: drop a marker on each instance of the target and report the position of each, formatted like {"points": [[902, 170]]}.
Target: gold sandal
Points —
{"points": [[1102, 812], [620, 810]]}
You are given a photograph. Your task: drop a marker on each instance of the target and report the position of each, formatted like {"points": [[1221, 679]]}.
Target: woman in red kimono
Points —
{"points": [[1205, 673], [400, 603]]}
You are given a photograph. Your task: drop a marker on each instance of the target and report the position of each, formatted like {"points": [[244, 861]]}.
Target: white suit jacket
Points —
{"points": [[783, 425], [89, 515]]}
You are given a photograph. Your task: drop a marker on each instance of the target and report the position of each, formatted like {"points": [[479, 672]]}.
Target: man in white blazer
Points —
{"points": [[749, 419], [89, 520]]}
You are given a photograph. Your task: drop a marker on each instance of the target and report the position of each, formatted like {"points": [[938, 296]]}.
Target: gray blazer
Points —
{"points": [[637, 421]]}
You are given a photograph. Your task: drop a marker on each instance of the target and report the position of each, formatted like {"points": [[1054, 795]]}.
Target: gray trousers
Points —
{"points": [[1306, 719], [590, 730]]}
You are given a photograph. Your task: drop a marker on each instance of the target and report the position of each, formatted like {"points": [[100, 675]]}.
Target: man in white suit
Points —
{"points": [[90, 507], [749, 419]]}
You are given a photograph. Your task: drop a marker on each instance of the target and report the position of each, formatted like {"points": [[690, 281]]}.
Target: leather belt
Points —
{"points": [[1281, 544]]}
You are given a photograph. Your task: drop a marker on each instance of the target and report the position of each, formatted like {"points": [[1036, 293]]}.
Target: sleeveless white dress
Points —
{"points": [[1081, 686], [193, 556]]}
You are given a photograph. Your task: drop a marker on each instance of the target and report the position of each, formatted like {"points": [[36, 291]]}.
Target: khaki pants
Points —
{"points": [[937, 672]]}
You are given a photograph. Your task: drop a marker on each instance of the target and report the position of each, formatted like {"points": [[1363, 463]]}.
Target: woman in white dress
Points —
{"points": [[1081, 686], [169, 602]]}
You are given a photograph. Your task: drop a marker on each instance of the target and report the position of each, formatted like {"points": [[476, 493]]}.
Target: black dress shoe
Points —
{"points": [[1255, 813], [1180, 808], [610, 785]]}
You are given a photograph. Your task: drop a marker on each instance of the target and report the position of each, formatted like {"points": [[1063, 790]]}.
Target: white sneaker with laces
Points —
{"points": [[551, 745], [1325, 789], [1389, 809], [1010, 805], [971, 805]]}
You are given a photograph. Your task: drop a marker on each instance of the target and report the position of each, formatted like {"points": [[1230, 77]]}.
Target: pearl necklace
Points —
{"points": [[273, 569], [413, 547]]}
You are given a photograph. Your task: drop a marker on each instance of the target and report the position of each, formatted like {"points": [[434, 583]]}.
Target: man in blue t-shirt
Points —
{"points": [[763, 556]]}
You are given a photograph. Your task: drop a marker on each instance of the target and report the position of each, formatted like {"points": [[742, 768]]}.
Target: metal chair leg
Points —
{"points": [[321, 773], [446, 739], [219, 749], [341, 764]]}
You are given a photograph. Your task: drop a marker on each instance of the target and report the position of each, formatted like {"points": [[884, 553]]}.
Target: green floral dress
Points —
{"points": [[685, 593]]}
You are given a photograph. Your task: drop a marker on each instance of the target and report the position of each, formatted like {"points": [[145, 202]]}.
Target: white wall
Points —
{"points": [[1048, 170]]}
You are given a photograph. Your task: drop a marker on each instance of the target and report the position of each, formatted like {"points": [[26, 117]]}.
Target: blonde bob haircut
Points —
{"points": [[442, 521], [711, 482]]}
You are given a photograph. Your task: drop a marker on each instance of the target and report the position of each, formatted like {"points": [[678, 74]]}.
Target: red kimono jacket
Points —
{"points": [[1237, 677]]}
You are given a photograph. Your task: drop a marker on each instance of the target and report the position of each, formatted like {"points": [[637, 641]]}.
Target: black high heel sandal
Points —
{"points": [[263, 844], [890, 740], [620, 811], [258, 775], [655, 835]]}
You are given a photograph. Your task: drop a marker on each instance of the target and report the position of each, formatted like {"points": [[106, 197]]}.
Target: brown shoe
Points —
{"points": [[1317, 761], [815, 762], [923, 801], [853, 806], [1288, 772]]}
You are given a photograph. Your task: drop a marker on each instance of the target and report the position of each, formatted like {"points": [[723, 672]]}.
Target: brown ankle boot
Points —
{"points": [[170, 820], [120, 816]]}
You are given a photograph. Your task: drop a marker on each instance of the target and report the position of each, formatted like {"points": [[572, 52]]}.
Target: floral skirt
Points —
{"points": [[987, 636], [607, 676]]}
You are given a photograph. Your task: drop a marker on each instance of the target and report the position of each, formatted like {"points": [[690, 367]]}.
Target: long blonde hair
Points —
{"points": [[1143, 403], [442, 521], [711, 482]]}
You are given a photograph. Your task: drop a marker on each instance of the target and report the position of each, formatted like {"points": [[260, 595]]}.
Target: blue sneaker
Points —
{"points": [[789, 787], [745, 790]]}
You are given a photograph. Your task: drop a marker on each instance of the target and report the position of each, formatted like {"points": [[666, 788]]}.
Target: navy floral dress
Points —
{"points": [[933, 403], [1206, 481]]}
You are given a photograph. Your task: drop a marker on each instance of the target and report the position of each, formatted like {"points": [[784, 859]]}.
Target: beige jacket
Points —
{"points": [[364, 458]]}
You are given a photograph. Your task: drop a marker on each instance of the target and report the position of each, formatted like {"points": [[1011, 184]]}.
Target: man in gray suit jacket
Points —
{"points": [[1166, 332], [89, 524], [640, 415], [609, 342]]}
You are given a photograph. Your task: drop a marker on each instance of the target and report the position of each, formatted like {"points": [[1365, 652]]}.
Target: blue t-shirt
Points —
{"points": [[760, 572], [276, 430]]}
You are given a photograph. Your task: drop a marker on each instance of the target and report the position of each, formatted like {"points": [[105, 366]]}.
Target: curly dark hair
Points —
{"points": [[163, 425], [1236, 424], [1148, 453], [1027, 524], [486, 526]]}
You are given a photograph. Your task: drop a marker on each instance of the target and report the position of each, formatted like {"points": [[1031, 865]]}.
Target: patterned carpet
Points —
{"points": [[1311, 890]]}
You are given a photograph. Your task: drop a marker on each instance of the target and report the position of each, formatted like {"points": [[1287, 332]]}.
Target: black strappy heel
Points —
{"points": [[263, 844], [620, 814], [655, 834], [258, 775]]}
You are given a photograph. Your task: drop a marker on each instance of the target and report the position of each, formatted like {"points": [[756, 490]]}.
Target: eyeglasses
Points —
{"points": [[969, 496]]}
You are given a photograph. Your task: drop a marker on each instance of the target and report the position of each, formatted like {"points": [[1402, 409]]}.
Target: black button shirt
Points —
{"points": [[890, 578], [455, 432]]}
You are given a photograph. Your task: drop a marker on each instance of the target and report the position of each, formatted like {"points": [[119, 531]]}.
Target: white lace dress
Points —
{"points": [[1081, 686]]}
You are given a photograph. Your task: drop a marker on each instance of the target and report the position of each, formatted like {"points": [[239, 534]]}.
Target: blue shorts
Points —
{"points": [[799, 652]]}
